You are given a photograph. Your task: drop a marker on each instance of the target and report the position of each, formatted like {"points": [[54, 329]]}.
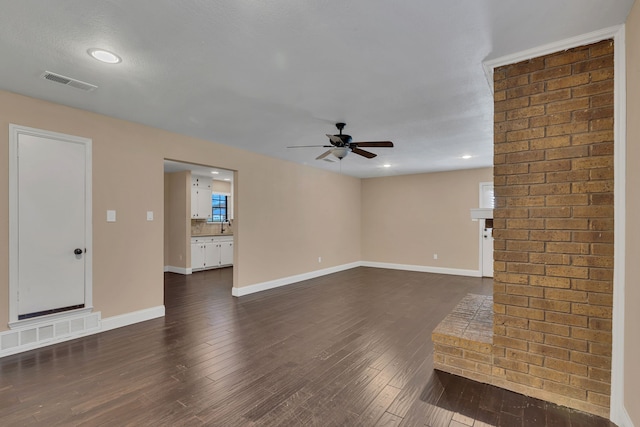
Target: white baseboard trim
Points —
{"points": [[55, 331], [48, 331], [258, 287], [126, 319], [178, 270], [423, 268], [623, 419]]}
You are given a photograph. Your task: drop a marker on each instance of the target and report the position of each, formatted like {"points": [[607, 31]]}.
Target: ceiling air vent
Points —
{"points": [[48, 75]]}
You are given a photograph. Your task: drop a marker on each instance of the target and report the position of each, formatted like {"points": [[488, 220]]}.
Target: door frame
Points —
{"points": [[481, 223], [14, 132]]}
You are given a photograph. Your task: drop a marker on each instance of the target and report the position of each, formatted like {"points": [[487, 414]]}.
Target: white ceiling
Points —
{"points": [[263, 75]]}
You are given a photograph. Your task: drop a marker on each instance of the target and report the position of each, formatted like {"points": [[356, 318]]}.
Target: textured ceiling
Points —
{"points": [[263, 75]]}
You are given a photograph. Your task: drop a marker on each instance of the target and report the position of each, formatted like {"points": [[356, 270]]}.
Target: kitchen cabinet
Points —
{"points": [[197, 255], [211, 252], [226, 251], [201, 197]]}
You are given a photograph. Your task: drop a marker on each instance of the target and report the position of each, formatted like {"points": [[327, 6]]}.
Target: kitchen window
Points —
{"points": [[219, 204]]}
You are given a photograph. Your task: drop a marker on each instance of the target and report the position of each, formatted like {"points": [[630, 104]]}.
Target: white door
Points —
{"points": [[51, 224], [487, 201]]}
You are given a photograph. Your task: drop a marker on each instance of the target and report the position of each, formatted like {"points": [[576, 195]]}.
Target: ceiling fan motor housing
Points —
{"points": [[346, 139]]}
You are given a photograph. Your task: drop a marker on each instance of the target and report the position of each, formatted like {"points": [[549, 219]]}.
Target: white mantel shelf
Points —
{"points": [[481, 213]]}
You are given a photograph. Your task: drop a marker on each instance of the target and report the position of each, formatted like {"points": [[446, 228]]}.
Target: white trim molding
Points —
{"points": [[423, 269], [127, 319], [48, 332], [57, 330], [558, 46], [625, 419], [178, 270], [258, 287], [618, 413]]}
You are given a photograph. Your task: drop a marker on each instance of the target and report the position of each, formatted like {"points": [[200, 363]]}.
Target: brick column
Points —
{"points": [[553, 227]]}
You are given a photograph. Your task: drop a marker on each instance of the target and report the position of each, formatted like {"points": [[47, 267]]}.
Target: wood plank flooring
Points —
{"points": [[348, 349]]}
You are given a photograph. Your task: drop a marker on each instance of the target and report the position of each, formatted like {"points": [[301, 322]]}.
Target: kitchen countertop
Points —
{"points": [[212, 235]]}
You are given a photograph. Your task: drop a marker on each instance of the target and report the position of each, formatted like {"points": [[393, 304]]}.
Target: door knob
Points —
{"points": [[78, 251]]}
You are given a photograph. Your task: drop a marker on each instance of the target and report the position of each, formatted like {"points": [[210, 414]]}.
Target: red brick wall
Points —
{"points": [[553, 227]]}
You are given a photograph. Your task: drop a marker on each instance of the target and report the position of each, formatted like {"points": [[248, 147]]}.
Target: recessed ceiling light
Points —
{"points": [[215, 172], [466, 156], [104, 56], [386, 166]]}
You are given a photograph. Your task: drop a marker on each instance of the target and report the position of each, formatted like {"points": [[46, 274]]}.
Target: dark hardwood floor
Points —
{"points": [[349, 349]]}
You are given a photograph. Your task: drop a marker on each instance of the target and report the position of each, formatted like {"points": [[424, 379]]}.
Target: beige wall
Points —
{"points": [[178, 219], [632, 279], [221, 186], [406, 219], [280, 229]]}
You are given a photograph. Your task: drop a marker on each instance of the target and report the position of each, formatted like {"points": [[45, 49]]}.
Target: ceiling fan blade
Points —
{"points": [[323, 155], [374, 144], [335, 140], [367, 154], [308, 146]]}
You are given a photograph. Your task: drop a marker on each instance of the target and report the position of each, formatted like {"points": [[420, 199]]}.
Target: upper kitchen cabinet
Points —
{"points": [[201, 197]]}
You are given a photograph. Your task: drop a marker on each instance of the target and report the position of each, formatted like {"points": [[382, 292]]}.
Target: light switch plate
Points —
{"points": [[149, 215], [111, 216]]}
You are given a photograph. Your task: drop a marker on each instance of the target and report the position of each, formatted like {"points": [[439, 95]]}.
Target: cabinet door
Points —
{"points": [[204, 203], [197, 256], [226, 253], [194, 202], [211, 254]]}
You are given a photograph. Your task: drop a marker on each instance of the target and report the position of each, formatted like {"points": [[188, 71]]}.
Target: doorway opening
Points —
{"points": [[199, 221]]}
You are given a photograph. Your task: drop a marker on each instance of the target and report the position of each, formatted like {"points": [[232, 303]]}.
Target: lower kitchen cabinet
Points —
{"points": [[226, 252], [197, 254], [211, 252]]}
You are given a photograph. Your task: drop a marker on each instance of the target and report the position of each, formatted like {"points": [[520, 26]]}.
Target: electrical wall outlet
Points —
{"points": [[435, 256], [319, 259]]}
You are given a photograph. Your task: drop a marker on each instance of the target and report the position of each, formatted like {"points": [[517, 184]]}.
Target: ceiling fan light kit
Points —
{"points": [[342, 144], [340, 152]]}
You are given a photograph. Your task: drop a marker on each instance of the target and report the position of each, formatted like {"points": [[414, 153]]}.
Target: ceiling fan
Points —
{"points": [[342, 144]]}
